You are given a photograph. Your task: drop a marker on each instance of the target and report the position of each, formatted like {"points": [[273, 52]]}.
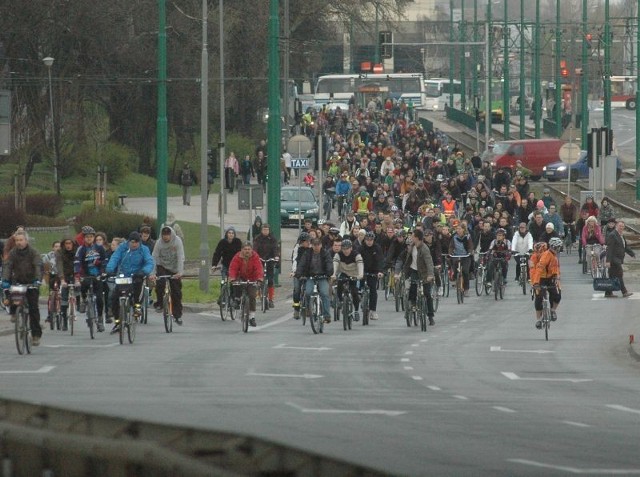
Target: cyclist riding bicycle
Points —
{"points": [[312, 264], [348, 264], [418, 265], [246, 266], [130, 259], [266, 246], [461, 244], [65, 259], [299, 251], [500, 248], [51, 272], [548, 275], [373, 261], [522, 244], [89, 263], [168, 258], [225, 251]]}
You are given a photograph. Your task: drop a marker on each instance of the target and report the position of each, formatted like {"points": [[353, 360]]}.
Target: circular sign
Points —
{"points": [[299, 146], [569, 153]]}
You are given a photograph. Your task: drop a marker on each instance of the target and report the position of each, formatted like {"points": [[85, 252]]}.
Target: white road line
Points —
{"points": [[462, 398], [463, 321], [415, 345], [408, 352], [434, 388], [284, 346], [110, 345], [503, 409], [405, 360], [536, 351], [381, 412], [274, 375], [43, 370], [424, 340], [282, 319], [576, 424], [408, 368], [416, 378], [515, 377], [575, 470], [618, 407]]}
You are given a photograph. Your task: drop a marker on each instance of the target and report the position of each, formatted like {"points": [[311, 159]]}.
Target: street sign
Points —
{"points": [[302, 163], [299, 146], [569, 153], [250, 196]]}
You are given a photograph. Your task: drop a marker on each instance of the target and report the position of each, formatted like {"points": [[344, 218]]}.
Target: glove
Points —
{"points": [[138, 275], [6, 284]]}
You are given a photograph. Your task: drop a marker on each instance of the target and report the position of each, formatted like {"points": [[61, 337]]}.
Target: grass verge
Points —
{"points": [[191, 292]]}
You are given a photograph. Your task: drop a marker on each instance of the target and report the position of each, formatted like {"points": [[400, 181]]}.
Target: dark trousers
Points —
{"points": [[554, 294], [176, 291], [115, 297], [229, 178], [353, 287], [426, 289], [465, 265], [372, 283], [97, 291], [615, 271], [32, 297]]}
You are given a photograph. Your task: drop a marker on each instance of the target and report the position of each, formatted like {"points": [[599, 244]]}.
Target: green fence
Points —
{"points": [[463, 118]]}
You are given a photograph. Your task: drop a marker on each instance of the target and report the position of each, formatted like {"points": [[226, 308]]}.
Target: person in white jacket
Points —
{"points": [[522, 244]]}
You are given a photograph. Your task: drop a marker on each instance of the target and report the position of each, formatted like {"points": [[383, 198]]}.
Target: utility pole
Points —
{"points": [[522, 74], [536, 73], [584, 81], [161, 126], [273, 145], [489, 74], [476, 65], [637, 100], [463, 62], [557, 116], [204, 149], [223, 126], [607, 66], [506, 97], [451, 53], [285, 72]]}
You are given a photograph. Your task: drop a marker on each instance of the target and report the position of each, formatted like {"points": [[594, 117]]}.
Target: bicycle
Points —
{"points": [[546, 310], [327, 203], [568, 237], [343, 206], [444, 277], [53, 305], [595, 263], [365, 296], [498, 279], [314, 306], [303, 300], [264, 289], [144, 303], [434, 290], [92, 311], [459, 277], [398, 292], [481, 274], [226, 304], [167, 303], [334, 302], [244, 302], [523, 260], [73, 306], [346, 304], [129, 314], [18, 298], [419, 311]]}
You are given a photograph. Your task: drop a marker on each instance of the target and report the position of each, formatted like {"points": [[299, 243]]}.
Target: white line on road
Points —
{"points": [[515, 377], [415, 345], [416, 378], [575, 470], [282, 319], [43, 370], [434, 388], [405, 360], [618, 407], [274, 375], [503, 409], [110, 345], [408, 352], [576, 424], [381, 412], [536, 351], [424, 340], [462, 398], [408, 368], [284, 346]]}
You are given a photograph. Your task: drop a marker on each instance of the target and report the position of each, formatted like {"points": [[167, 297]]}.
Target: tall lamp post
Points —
{"points": [[48, 62]]}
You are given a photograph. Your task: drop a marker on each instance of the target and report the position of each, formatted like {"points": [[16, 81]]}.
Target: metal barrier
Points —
{"points": [[465, 119], [47, 441]]}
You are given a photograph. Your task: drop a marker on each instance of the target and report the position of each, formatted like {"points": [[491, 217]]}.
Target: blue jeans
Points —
{"points": [[323, 289]]}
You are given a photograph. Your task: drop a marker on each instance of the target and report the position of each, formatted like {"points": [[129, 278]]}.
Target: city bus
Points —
{"points": [[623, 92], [398, 86], [438, 92]]}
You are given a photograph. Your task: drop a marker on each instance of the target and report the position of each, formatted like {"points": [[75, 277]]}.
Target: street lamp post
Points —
{"points": [[204, 148], [48, 61]]}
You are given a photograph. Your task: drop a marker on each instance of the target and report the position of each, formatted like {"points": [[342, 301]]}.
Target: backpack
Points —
{"points": [[186, 177]]}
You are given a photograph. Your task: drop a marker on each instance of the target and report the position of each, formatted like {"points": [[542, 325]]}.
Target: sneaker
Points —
{"points": [[554, 316], [108, 320], [252, 322], [158, 308], [100, 327], [14, 318], [35, 341], [539, 324], [65, 328], [236, 303], [178, 321], [116, 328], [627, 294], [373, 315], [296, 314], [327, 319], [137, 310], [356, 317], [271, 304], [431, 321]]}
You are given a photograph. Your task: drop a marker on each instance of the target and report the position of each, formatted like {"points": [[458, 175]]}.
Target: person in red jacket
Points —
{"points": [[246, 266]]}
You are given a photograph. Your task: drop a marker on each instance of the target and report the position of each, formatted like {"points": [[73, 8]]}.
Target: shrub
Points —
{"points": [[112, 222], [44, 221], [11, 218], [48, 205]]}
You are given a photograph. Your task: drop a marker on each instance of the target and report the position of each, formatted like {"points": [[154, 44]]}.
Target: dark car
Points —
{"points": [[579, 170], [298, 204]]}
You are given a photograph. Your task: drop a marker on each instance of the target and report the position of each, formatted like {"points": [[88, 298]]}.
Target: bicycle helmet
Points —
{"points": [[88, 230], [400, 233], [370, 235], [346, 244], [540, 247], [334, 230], [501, 231], [394, 208], [321, 222], [555, 243], [304, 236]]}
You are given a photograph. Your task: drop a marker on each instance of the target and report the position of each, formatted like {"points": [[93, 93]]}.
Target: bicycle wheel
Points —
{"points": [[479, 280], [445, 283], [388, 283], [71, 314], [133, 326], [91, 315], [459, 288], [58, 319], [314, 319], [496, 283], [523, 279], [501, 287], [51, 310], [20, 330], [365, 307], [335, 304], [27, 330], [124, 311], [546, 322], [397, 294], [584, 260], [423, 314], [244, 311], [224, 301], [435, 296], [166, 313], [145, 305], [265, 297]]}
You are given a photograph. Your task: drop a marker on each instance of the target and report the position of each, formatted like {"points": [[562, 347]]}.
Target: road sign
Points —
{"points": [[569, 153], [299, 146], [302, 163]]}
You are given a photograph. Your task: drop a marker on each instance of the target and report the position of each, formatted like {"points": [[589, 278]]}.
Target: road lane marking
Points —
{"points": [[284, 346], [618, 407], [515, 377], [415, 345], [504, 409], [110, 345], [536, 351], [575, 470], [275, 375], [405, 360], [43, 370], [416, 378], [408, 352], [424, 340], [408, 368], [576, 424], [380, 412], [462, 398], [282, 319], [434, 388]]}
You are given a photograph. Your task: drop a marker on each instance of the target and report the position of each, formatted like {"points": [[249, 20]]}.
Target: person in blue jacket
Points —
{"points": [[131, 260]]}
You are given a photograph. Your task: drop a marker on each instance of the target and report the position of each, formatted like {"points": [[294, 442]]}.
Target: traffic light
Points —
{"points": [[587, 39], [564, 71], [599, 143], [385, 38]]}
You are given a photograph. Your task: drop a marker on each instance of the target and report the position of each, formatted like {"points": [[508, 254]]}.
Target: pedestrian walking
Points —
{"points": [[616, 249], [187, 179]]}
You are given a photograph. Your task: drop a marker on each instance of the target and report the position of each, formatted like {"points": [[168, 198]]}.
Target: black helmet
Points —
{"points": [[346, 244], [88, 230], [304, 236], [370, 235]]}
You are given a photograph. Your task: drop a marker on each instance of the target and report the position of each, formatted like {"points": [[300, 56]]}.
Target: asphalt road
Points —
{"points": [[480, 393]]}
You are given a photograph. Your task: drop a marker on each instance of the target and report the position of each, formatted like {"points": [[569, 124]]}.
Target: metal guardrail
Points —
{"points": [[48, 441]]}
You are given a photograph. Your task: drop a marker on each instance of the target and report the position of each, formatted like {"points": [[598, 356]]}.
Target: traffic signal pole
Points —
{"points": [[637, 101], [557, 116], [584, 80], [273, 143]]}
